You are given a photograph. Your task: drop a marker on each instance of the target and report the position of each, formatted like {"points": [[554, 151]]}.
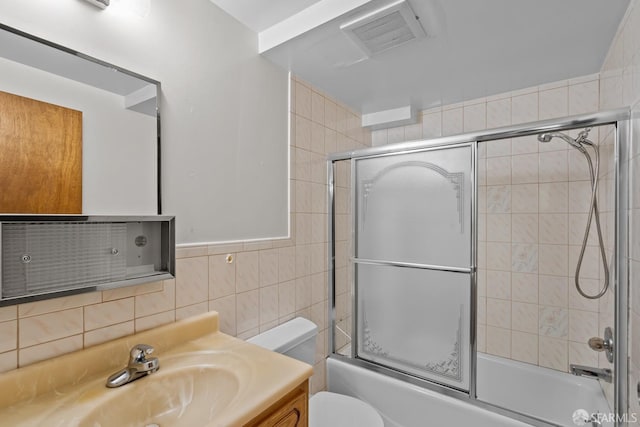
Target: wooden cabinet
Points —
{"points": [[290, 411]]}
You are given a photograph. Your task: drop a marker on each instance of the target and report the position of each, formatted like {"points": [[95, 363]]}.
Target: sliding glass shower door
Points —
{"points": [[413, 260]]}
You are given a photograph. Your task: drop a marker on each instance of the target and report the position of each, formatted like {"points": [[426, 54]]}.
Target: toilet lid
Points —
{"points": [[337, 410]]}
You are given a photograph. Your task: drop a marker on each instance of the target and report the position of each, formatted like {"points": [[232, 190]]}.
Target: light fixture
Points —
{"points": [[102, 4], [384, 28]]}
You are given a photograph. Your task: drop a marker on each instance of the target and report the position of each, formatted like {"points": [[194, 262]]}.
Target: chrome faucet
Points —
{"points": [[603, 374], [139, 365]]}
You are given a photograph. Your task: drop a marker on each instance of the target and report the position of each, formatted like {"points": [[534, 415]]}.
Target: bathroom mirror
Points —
{"points": [[119, 123]]}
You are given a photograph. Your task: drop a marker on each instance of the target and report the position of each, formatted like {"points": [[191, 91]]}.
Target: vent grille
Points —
{"points": [[384, 28], [60, 256]]}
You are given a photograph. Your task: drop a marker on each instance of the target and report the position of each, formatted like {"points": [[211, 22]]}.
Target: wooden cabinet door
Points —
{"points": [[290, 411], [40, 157]]}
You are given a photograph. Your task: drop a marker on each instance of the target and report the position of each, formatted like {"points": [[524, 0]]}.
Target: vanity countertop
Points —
{"points": [[244, 380]]}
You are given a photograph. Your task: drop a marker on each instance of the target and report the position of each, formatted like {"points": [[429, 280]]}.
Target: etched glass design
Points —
{"points": [[415, 207], [415, 321]]}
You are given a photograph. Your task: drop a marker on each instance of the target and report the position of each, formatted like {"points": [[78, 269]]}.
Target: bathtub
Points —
{"points": [[513, 385]]}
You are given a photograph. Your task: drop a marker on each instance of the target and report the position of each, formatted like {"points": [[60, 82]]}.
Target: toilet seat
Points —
{"points": [[328, 409]]}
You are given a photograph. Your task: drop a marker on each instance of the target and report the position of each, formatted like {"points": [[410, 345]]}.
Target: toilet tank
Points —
{"points": [[295, 338]]}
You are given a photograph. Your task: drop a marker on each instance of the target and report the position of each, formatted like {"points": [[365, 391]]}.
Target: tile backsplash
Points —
{"points": [[254, 285]]}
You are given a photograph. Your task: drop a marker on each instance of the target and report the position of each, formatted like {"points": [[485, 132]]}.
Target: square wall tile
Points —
{"points": [[109, 313], [554, 291], [247, 310], [524, 287], [499, 284], [8, 336], [524, 169], [222, 275], [226, 308], [582, 325], [474, 117], [431, 125], [452, 122], [524, 228], [554, 228], [498, 341], [553, 260], [554, 166], [524, 257], [247, 271], [524, 317], [192, 281], [497, 147], [498, 313], [554, 103], [303, 100], [498, 170], [553, 353], [268, 267], [157, 302], [498, 227], [524, 108], [554, 197], [98, 336], [584, 97], [499, 113], [499, 199], [553, 322], [49, 327], [48, 350], [268, 304], [524, 347], [524, 198]]}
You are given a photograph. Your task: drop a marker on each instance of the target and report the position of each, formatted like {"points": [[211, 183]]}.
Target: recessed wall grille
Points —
{"points": [[384, 28]]}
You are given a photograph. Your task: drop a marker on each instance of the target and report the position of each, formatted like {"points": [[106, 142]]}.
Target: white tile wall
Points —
{"points": [[533, 200]]}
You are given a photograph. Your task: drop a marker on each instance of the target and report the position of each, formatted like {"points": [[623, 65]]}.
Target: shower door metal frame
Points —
{"points": [[620, 118]]}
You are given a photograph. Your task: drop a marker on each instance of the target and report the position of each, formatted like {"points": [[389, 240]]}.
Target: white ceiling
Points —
{"points": [[475, 48]]}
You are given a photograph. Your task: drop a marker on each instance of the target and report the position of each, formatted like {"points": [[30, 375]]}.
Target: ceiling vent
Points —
{"points": [[385, 28]]}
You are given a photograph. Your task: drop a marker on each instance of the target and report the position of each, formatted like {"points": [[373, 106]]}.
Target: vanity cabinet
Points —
{"points": [[290, 411]]}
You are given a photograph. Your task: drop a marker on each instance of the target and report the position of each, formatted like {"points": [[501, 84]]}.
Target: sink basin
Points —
{"points": [[190, 396], [190, 389]]}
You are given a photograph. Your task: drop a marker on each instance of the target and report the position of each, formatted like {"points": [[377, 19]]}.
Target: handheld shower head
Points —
{"points": [[547, 137]]}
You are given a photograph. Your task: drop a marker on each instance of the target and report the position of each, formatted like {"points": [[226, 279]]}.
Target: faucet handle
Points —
{"points": [[603, 344], [140, 351]]}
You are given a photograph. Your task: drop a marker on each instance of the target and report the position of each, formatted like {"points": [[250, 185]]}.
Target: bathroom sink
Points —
{"points": [[187, 397], [189, 389], [205, 379]]}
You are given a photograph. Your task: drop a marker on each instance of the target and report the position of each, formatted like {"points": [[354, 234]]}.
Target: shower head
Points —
{"points": [[547, 137]]}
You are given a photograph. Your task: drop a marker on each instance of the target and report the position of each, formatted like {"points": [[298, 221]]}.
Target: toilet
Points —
{"points": [[297, 338]]}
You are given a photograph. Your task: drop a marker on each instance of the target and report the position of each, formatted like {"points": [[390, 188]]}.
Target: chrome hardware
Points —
{"points": [[137, 367], [26, 259], [589, 372], [603, 344]]}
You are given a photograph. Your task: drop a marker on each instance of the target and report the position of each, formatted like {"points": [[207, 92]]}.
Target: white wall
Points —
{"points": [[224, 108]]}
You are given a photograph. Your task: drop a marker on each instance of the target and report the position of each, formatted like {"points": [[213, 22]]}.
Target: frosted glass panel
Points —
{"points": [[415, 207], [416, 321]]}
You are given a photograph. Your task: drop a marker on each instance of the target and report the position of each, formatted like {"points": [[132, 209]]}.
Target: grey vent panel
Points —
{"points": [[384, 28], [39, 258], [52, 255]]}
